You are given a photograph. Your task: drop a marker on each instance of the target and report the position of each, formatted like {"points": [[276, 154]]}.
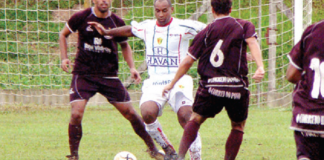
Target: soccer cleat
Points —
{"points": [[156, 155], [71, 157], [170, 153]]}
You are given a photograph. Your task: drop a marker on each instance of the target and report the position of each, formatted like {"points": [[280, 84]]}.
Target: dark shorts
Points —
{"points": [[84, 87], [210, 101], [309, 146]]}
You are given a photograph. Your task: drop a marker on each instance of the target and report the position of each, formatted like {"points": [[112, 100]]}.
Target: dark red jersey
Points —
{"points": [[221, 50], [308, 97], [96, 54]]}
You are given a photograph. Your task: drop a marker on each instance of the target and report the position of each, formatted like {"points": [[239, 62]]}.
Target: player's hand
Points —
{"points": [[135, 75], [166, 90], [66, 65], [258, 75], [100, 28]]}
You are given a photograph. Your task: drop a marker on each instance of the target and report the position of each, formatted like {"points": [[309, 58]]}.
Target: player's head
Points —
{"points": [[163, 10], [102, 5], [222, 6]]}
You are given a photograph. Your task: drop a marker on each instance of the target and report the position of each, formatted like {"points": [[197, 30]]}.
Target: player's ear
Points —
{"points": [[172, 9]]}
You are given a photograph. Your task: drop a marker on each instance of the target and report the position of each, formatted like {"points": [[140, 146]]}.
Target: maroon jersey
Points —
{"points": [[221, 50], [96, 54], [308, 97]]}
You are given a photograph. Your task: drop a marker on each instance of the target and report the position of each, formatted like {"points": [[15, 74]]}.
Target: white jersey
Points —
{"points": [[166, 45]]}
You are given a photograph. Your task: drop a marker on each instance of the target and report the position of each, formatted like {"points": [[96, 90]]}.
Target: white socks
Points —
{"points": [[195, 149], [155, 131]]}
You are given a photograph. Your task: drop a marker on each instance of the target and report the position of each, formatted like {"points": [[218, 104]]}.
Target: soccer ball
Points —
{"points": [[125, 155]]}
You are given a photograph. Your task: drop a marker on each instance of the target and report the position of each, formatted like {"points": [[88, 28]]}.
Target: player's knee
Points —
{"points": [[238, 126], [76, 117], [149, 117]]}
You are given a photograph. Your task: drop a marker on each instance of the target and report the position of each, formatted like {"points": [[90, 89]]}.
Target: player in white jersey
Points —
{"points": [[167, 41]]}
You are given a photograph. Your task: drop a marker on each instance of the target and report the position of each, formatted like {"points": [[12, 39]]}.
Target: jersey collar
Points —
{"points": [[165, 24]]}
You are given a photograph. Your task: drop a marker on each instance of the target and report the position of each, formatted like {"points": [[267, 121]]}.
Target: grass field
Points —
{"points": [[41, 133]]}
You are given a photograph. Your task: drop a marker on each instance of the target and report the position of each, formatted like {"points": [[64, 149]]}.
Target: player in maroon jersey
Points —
{"points": [[221, 50], [95, 70], [306, 70]]}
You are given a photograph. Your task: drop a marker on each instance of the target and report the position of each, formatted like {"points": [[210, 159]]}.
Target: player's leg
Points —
{"points": [[150, 111], [308, 146], [127, 110], [181, 101], [81, 90], [75, 127], [234, 140], [184, 114], [237, 110], [190, 133]]}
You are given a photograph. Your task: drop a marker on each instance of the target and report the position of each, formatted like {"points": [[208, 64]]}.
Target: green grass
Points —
{"points": [[41, 133]]}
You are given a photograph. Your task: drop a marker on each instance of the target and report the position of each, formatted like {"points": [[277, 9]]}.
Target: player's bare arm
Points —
{"points": [[65, 62], [256, 54], [128, 56], [183, 69], [124, 31], [293, 74]]}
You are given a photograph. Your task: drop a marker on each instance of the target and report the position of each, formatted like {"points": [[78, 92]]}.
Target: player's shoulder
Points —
{"points": [[243, 23], [115, 17]]}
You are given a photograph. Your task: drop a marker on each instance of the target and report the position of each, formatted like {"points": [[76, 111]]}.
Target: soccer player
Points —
{"points": [[95, 70], [166, 40], [306, 70], [221, 50]]}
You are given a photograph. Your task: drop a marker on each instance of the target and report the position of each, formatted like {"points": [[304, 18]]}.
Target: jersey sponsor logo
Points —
{"points": [[71, 91], [89, 29], [223, 80], [310, 119], [97, 48], [227, 94], [160, 50], [162, 61], [181, 86], [163, 82], [97, 41], [159, 40]]}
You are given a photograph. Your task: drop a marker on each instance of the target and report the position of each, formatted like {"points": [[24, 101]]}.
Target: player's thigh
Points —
{"points": [[206, 104], [126, 109], [113, 90], [82, 88], [152, 98], [237, 109], [308, 147]]}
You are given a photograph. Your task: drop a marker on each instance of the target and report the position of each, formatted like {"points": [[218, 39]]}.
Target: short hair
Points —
{"points": [[169, 1], [221, 6]]}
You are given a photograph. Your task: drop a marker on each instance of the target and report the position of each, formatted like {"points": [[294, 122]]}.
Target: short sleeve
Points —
{"points": [[198, 45], [296, 55], [75, 21], [192, 28], [138, 29], [249, 30]]}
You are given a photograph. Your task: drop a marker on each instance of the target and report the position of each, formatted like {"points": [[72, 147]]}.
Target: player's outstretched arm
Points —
{"points": [[183, 69], [256, 54], [128, 56], [124, 31], [65, 62]]}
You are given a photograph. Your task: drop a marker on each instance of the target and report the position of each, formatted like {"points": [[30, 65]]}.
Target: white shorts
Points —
{"points": [[180, 95]]}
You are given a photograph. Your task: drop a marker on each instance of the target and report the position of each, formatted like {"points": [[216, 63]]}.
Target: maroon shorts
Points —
{"points": [[309, 145], [84, 87], [210, 101]]}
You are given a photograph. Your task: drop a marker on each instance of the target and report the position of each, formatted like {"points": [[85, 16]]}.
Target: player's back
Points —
{"points": [[308, 56], [229, 58]]}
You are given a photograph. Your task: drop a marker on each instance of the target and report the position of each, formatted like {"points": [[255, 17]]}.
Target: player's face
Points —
{"points": [[102, 5], [163, 12]]}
